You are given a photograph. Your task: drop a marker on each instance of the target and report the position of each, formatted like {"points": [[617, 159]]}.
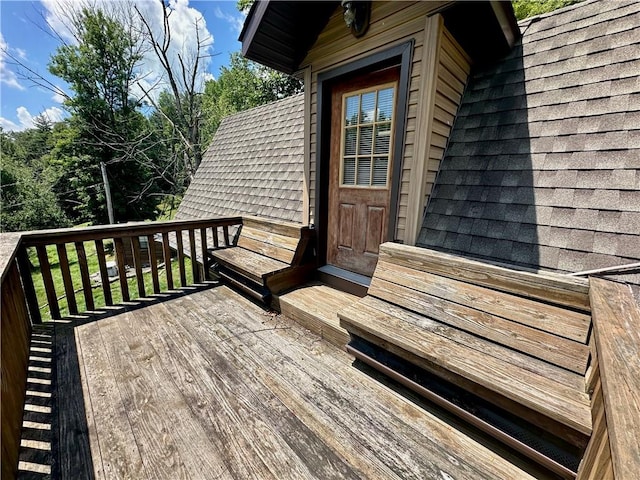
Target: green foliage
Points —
{"points": [[99, 69], [105, 125], [51, 173], [27, 199], [170, 151], [529, 8], [244, 5]]}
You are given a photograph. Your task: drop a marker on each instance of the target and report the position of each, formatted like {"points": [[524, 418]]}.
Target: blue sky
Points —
{"points": [[25, 34]]}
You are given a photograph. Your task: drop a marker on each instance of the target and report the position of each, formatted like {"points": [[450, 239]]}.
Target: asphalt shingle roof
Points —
{"points": [[543, 164], [255, 166]]}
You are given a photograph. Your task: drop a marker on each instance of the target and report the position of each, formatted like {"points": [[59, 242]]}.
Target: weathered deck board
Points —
{"points": [[171, 443], [241, 409], [315, 307], [616, 322], [346, 408], [69, 394], [115, 452], [210, 385]]}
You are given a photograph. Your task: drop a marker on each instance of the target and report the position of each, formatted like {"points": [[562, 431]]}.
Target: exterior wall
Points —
{"points": [[393, 23], [440, 108]]}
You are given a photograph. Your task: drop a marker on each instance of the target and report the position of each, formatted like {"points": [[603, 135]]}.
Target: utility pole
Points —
{"points": [[107, 192]]}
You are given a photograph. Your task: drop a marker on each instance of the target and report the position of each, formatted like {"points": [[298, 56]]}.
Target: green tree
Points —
{"points": [[26, 187], [170, 151], [529, 8], [244, 5], [105, 124]]}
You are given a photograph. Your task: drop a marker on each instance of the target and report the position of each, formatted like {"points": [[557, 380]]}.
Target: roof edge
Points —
{"points": [[279, 34], [506, 17], [251, 23]]}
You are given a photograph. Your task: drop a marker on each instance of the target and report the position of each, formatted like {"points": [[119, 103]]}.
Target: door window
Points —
{"points": [[367, 126]]}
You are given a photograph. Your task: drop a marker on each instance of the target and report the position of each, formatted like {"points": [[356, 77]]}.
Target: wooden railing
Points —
{"points": [[614, 449], [16, 335], [168, 245], [31, 262]]}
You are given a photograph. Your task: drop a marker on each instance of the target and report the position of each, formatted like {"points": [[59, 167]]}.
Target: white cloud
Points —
{"points": [[25, 119], [182, 21], [7, 76], [57, 17], [9, 126], [235, 21], [59, 95]]}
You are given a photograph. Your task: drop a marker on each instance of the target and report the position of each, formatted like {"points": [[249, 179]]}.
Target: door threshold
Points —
{"points": [[344, 280]]}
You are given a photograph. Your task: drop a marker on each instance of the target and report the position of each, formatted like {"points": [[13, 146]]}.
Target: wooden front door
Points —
{"points": [[362, 132]]}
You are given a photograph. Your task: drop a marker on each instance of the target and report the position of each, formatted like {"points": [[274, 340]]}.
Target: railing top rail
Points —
{"points": [[100, 232], [9, 243]]}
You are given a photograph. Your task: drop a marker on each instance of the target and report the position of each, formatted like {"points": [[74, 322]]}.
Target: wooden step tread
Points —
{"points": [[250, 264], [315, 307], [562, 403]]}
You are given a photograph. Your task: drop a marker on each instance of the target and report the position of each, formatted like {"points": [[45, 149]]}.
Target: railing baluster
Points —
{"points": [[45, 270], [225, 231], [216, 241], [203, 247], [122, 236], [66, 278], [122, 272], [166, 250], [153, 260], [195, 270], [183, 275], [137, 263], [29, 290], [104, 275], [84, 274]]}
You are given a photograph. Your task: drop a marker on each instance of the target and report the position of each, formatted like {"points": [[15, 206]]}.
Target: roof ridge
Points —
{"points": [[253, 111], [273, 104], [536, 18]]}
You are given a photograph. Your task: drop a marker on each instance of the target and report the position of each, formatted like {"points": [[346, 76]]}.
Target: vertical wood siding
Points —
{"points": [[453, 71], [392, 23]]}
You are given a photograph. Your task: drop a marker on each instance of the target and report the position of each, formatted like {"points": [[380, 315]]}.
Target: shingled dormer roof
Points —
{"points": [[543, 164], [254, 166]]}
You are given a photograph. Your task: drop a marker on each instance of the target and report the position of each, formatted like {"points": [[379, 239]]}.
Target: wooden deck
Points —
{"points": [[208, 385]]}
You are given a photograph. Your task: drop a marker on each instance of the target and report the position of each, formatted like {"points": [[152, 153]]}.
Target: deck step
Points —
{"points": [[315, 306], [344, 280]]}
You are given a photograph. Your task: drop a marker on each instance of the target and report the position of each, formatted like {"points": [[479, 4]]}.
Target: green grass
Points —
{"points": [[98, 293], [168, 208]]}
